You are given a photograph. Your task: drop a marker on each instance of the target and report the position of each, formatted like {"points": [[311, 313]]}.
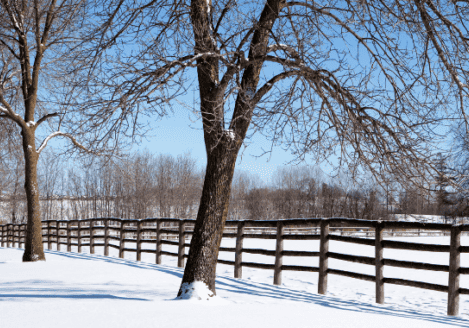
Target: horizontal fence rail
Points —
{"points": [[115, 233]]}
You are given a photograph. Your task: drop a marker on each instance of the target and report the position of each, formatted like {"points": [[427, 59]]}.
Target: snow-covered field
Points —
{"points": [[82, 290]]}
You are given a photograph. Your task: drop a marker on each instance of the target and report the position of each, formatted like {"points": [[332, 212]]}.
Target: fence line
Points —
{"points": [[325, 230]]}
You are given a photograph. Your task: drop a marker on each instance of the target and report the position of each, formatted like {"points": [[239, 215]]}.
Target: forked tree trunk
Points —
{"points": [[208, 231], [33, 249], [222, 145]]}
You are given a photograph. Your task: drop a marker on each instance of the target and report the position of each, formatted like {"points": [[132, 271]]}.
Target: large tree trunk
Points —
{"points": [[208, 231], [33, 250], [222, 145]]}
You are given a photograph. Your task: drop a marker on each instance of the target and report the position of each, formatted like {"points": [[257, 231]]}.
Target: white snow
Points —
{"points": [[30, 124], [46, 140], [197, 290], [230, 134], [81, 290]]}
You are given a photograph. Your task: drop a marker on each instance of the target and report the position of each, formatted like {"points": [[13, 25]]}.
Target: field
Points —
{"points": [[82, 290]]}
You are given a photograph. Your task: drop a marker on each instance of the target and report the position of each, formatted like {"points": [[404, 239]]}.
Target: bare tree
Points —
{"points": [[293, 70], [42, 56]]}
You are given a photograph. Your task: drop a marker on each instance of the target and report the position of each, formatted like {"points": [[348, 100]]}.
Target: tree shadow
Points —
{"points": [[258, 289]]}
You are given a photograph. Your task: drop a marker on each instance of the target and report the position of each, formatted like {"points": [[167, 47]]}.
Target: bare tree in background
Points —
{"points": [[329, 79], [34, 36], [42, 58]]}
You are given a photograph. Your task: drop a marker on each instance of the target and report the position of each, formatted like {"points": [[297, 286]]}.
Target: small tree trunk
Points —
{"points": [[33, 249], [208, 231]]}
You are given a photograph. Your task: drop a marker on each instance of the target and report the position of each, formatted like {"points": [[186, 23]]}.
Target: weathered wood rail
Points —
{"points": [[115, 233]]}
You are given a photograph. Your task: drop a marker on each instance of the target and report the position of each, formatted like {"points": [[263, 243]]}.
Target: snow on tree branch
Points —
{"points": [[67, 135]]}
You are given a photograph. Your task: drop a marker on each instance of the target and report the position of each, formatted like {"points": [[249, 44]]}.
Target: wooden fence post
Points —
{"points": [[8, 235], [3, 235], [122, 242], [79, 236], [379, 263], [454, 265], [158, 242], [106, 237], [182, 241], [139, 241], [13, 235], [49, 241], [238, 272], [278, 254], [57, 227], [22, 235], [92, 222], [323, 257], [69, 236]]}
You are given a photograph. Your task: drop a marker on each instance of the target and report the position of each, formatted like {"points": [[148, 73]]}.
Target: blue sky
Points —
{"points": [[182, 132]]}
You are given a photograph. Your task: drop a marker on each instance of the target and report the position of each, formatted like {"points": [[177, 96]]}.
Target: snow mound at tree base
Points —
{"points": [[196, 290]]}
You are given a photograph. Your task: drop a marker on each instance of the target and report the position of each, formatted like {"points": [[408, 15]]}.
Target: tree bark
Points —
{"points": [[208, 231], [33, 249], [222, 145]]}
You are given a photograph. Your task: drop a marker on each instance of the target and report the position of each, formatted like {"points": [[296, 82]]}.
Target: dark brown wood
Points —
{"points": [[379, 265], [23, 234], [464, 249], [225, 262], [300, 253], [418, 284], [351, 274], [57, 225], [121, 241], [158, 242], [225, 249], [454, 265], [258, 265], [182, 241], [355, 240], [342, 222], [416, 225], [463, 270], [259, 251], [169, 242], [416, 265], [3, 236], [301, 237], [69, 236], [414, 246], [352, 258], [92, 236], [299, 268], [169, 254], [139, 241], [106, 237], [49, 235], [238, 271], [229, 235], [278, 254], [79, 236], [148, 251], [323, 262], [464, 291], [259, 236]]}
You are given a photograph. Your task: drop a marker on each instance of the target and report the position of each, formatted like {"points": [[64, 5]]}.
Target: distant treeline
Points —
{"points": [[145, 185]]}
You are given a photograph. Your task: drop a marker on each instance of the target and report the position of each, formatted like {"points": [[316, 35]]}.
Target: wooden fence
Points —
{"points": [[159, 231]]}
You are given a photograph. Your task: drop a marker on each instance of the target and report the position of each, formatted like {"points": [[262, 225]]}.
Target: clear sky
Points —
{"points": [[177, 134]]}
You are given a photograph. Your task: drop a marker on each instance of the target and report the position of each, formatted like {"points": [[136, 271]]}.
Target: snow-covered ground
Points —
{"points": [[82, 290]]}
